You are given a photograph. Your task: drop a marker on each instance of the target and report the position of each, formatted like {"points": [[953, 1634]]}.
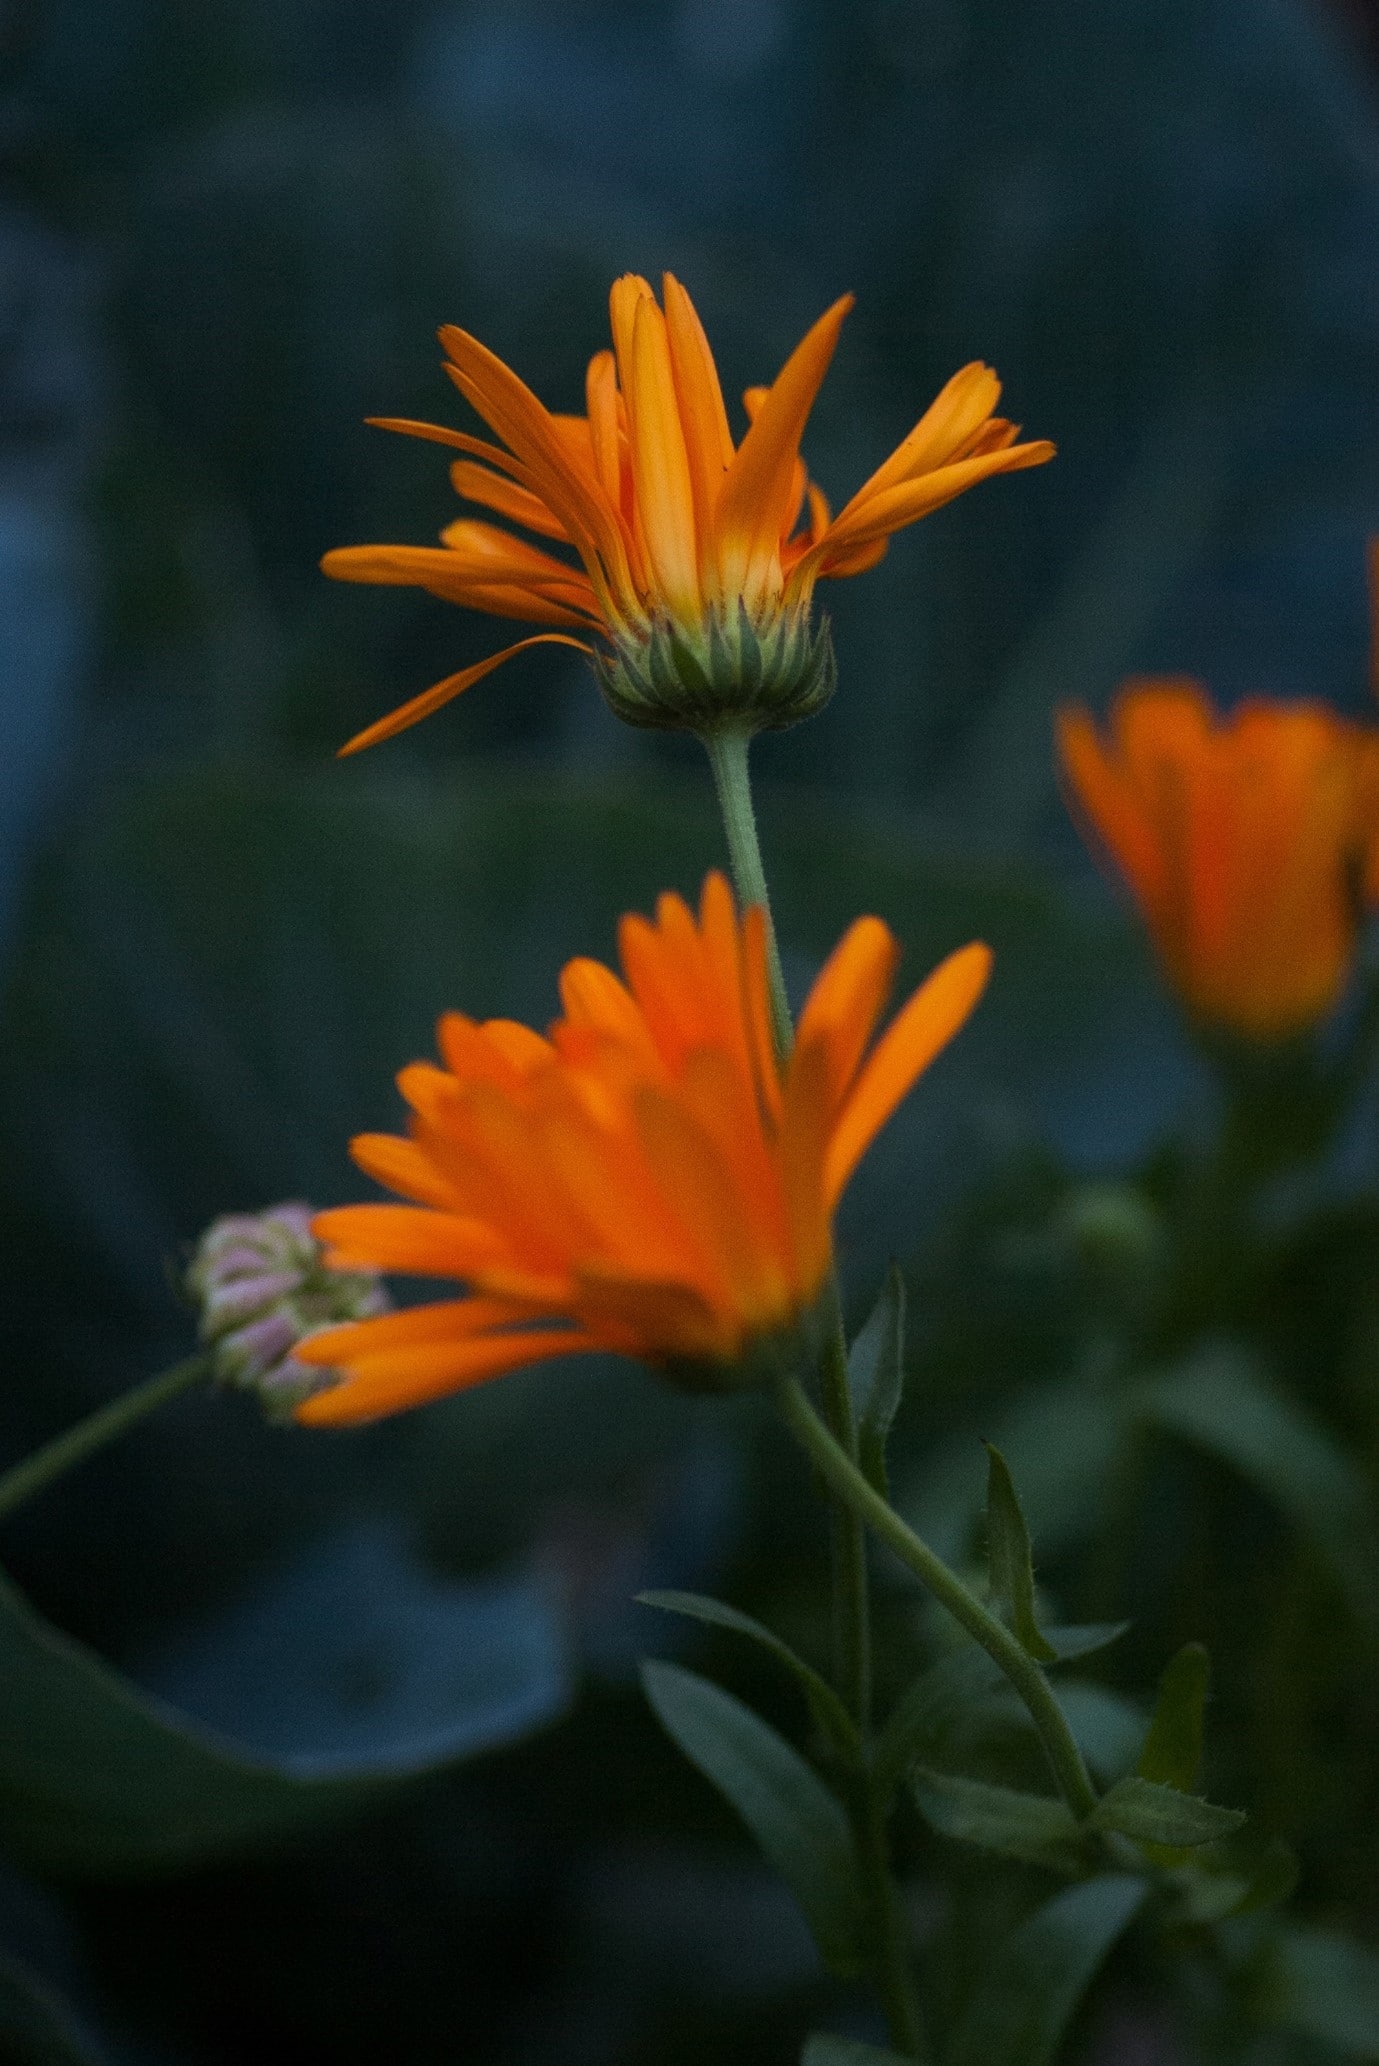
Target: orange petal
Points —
{"points": [[570, 490], [957, 411], [916, 1034], [757, 489], [457, 440], [877, 515], [1117, 813], [402, 1167], [660, 465], [708, 440], [405, 1238], [846, 1000], [481, 484], [445, 692], [398, 1378]]}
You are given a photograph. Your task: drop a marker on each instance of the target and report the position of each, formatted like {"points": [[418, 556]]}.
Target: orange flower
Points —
{"points": [[696, 558], [1246, 841], [648, 1179]]}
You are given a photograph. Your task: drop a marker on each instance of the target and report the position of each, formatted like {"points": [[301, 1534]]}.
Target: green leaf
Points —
{"points": [[99, 1776], [1328, 1989], [876, 1370], [1155, 1814], [1108, 1727], [827, 1709], [1172, 1753], [36, 2026], [1011, 1560], [799, 1824], [1034, 1827], [1084, 1639], [925, 1713], [1222, 1402], [1036, 1979], [1240, 1876], [825, 2050]]}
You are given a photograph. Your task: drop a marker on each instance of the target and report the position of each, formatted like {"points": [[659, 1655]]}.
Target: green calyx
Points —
{"points": [[764, 1360], [761, 677]]}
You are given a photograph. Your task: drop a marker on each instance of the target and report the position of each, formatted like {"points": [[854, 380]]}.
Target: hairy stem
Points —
{"points": [[845, 1479], [727, 751], [892, 1969]]}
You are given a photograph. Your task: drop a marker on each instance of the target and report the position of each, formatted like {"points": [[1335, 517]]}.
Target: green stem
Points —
{"points": [[893, 1969], [842, 1475], [93, 1433], [727, 751]]}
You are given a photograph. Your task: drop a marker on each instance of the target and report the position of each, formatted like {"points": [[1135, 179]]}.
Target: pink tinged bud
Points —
{"points": [[247, 1355], [227, 1305], [261, 1285]]}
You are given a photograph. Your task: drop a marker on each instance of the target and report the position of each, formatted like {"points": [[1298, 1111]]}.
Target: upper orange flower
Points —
{"points": [[648, 1179], [697, 558], [1249, 842]]}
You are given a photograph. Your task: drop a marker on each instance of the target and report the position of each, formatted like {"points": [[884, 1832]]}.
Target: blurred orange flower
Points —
{"points": [[1249, 842], [648, 1179], [696, 558]]}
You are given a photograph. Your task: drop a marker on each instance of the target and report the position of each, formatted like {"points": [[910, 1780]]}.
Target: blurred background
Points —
{"points": [[227, 234]]}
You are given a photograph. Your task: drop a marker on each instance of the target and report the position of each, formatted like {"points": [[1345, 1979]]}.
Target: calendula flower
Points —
{"points": [[646, 1179], [1249, 843], [260, 1285], [695, 558]]}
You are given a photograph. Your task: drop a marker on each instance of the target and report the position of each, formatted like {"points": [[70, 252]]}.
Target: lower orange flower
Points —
{"points": [[647, 1179], [1249, 841]]}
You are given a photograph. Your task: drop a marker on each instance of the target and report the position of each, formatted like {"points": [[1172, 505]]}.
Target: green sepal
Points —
{"points": [[800, 1826], [1036, 1828], [1010, 1557], [1162, 1815], [1172, 1753], [876, 1373], [826, 1708]]}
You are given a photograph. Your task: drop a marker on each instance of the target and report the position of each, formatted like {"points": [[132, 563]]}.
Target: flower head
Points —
{"points": [[648, 1179], [695, 558], [261, 1286], [1249, 843]]}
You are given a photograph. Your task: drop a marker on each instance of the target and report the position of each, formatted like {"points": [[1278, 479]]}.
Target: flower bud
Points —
{"points": [[726, 669], [261, 1286]]}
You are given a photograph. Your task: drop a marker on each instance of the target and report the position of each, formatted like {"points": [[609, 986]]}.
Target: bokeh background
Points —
{"points": [[227, 234]]}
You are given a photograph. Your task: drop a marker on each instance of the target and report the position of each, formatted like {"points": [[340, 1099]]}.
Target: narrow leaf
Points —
{"points": [[1012, 1564], [1172, 1753], [1155, 1814], [924, 1714], [1224, 1404], [825, 2050], [1108, 1727], [798, 1823], [1083, 1639], [827, 1709], [1035, 1982], [1031, 1826], [876, 1370]]}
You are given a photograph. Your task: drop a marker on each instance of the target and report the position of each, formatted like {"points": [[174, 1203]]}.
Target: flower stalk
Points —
{"points": [[893, 1970], [847, 1482], [100, 1428]]}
